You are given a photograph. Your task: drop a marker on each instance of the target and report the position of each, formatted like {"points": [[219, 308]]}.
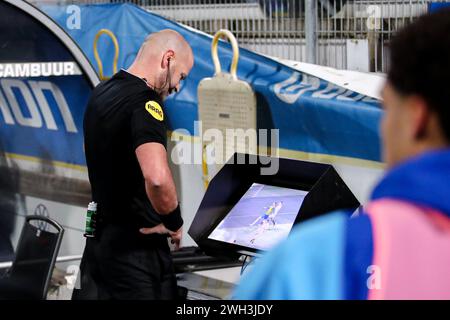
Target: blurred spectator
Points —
{"points": [[400, 247]]}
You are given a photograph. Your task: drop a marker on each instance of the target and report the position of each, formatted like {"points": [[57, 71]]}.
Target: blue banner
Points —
{"points": [[43, 90], [436, 6], [313, 115]]}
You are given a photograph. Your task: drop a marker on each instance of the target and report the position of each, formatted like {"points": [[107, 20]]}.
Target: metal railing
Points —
{"points": [[345, 34]]}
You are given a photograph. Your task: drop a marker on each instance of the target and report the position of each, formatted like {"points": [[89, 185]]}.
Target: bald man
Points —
{"points": [[128, 257]]}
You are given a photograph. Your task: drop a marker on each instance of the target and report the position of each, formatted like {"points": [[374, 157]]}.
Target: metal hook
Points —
{"points": [[234, 45], [97, 57]]}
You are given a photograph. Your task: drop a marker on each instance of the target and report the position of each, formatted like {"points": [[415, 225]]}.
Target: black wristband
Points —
{"points": [[173, 220]]}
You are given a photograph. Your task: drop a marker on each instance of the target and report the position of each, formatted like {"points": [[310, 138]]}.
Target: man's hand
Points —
{"points": [[176, 238], [161, 229]]}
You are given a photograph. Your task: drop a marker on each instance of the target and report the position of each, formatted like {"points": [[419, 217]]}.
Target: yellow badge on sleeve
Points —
{"points": [[155, 110]]}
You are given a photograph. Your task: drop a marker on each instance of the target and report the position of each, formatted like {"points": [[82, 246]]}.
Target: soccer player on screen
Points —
{"points": [[265, 215], [267, 219]]}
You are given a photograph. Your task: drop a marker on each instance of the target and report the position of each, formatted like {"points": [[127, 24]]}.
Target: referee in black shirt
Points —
{"points": [[125, 145]]}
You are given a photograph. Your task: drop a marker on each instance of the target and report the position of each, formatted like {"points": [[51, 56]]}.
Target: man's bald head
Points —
{"points": [[164, 59], [164, 40]]}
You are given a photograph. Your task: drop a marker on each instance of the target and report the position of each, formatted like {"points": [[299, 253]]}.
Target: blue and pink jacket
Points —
{"points": [[398, 249]]}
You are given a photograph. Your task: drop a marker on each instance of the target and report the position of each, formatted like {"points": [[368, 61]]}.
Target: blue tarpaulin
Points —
{"points": [[313, 115], [436, 6]]}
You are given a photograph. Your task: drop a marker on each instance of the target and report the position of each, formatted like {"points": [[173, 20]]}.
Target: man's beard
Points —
{"points": [[163, 92]]}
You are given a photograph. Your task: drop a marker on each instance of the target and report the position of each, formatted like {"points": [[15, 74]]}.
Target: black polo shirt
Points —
{"points": [[122, 114]]}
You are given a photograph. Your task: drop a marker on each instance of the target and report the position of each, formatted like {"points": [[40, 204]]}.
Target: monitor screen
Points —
{"points": [[261, 218]]}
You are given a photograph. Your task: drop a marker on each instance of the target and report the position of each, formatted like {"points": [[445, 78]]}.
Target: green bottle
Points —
{"points": [[91, 217]]}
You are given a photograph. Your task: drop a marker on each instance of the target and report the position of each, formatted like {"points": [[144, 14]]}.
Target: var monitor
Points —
{"points": [[261, 218], [245, 211]]}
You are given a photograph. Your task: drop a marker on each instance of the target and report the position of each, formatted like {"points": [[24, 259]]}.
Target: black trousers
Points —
{"points": [[123, 264]]}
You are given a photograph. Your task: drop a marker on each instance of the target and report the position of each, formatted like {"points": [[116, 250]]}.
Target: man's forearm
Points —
{"points": [[163, 197], [164, 200], [159, 183]]}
